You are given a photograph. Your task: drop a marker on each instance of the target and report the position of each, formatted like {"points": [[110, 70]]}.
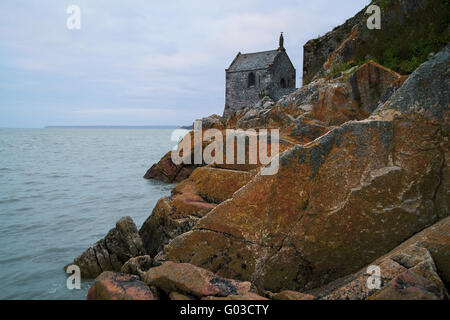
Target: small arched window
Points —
{"points": [[251, 80], [283, 83]]}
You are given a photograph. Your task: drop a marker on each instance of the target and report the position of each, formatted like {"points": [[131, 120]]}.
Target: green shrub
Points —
{"points": [[341, 67], [404, 48]]}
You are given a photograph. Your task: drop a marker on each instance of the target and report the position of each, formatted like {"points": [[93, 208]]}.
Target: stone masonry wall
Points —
{"points": [[268, 82], [239, 95], [283, 70]]}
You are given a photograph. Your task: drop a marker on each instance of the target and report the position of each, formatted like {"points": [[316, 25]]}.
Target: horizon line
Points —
{"points": [[98, 126]]}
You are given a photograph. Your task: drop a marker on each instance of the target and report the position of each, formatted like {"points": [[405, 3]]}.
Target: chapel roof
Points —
{"points": [[253, 61]]}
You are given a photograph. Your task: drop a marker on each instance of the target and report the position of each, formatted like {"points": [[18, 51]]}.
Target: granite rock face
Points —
{"points": [[109, 254], [170, 281], [339, 202], [190, 200], [302, 116], [166, 171], [215, 185], [166, 222], [314, 109], [213, 122], [417, 269], [292, 295], [138, 266], [191, 281], [116, 286], [412, 286], [422, 262], [317, 51]]}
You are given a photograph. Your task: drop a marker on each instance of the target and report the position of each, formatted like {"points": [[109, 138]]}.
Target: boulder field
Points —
{"points": [[363, 183], [416, 269]]}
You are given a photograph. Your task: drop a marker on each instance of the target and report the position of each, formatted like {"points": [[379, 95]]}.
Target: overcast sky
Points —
{"points": [[141, 62]]}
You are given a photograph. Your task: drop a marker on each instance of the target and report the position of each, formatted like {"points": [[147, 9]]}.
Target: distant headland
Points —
{"points": [[113, 127]]}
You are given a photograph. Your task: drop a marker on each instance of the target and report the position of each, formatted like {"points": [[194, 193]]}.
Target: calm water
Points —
{"points": [[61, 190]]}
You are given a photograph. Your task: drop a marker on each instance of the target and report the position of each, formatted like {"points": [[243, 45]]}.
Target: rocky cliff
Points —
{"points": [[339, 202], [410, 31], [363, 181]]}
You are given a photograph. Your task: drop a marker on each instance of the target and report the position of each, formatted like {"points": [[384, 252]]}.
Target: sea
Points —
{"points": [[63, 189]]}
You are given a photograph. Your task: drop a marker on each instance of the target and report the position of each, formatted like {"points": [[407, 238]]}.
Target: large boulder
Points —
{"points": [[292, 295], [138, 266], [354, 95], [215, 185], [190, 200], [247, 296], [117, 286], [411, 286], [314, 109], [166, 171], [193, 281], [110, 253], [213, 122], [166, 222], [423, 259], [339, 202]]}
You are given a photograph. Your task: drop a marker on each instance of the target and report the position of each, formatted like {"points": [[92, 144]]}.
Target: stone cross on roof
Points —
{"points": [[281, 43]]}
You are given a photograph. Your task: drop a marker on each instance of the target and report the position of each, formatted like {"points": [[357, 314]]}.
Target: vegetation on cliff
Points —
{"points": [[404, 46], [410, 31]]}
